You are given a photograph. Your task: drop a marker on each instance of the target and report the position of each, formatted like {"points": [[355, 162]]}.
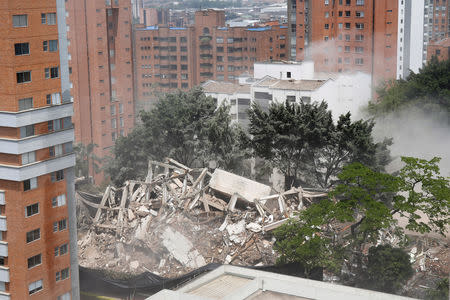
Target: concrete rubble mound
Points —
{"points": [[180, 219]]}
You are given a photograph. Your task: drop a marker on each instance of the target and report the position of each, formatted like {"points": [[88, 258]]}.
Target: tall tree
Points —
{"points": [[186, 126], [368, 202], [429, 90], [284, 133], [302, 141]]}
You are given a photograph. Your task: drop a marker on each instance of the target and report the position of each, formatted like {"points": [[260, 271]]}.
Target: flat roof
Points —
{"points": [[229, 88], [238, 283], [295, 85]]}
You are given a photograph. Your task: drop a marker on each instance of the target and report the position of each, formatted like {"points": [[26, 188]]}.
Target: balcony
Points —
{"points": [[36, 142], [3, 249], [3, 226], [4, 296], [4, 274], [21, 173], [24, 118]]}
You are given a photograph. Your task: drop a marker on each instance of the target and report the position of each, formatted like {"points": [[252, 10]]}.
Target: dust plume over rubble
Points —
{"points": [[417, 133], [180, 219]]}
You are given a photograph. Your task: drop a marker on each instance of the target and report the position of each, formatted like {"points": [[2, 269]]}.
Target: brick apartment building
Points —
{"points": [[440, 49], [169, 58], [38, 249], [345, 35], [100, 45]]}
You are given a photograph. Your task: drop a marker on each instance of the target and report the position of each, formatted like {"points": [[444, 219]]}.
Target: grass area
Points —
{"points": [[91, 296]]}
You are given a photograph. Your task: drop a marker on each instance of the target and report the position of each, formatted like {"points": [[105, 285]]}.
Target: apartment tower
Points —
{"points": [[169, 58], [345, 35], [38, 249], [100, 46]]}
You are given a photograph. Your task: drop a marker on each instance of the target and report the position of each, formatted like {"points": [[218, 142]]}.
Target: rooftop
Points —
{"points": [[212, 86], [231, 282], [296, 85]]}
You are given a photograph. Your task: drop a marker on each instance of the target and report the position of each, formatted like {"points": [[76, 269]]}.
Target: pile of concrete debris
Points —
{"points": [[180, 218]]}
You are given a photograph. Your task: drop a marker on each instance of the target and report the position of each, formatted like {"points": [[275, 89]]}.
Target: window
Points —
{"points": [[327, 26], [113, 110], [347, 48], [120, 108], [34, 261], [32, 210], [288, 75], [113, 136], [347, 25], [30, 184], [66, 296], [59, 200], [53, 99], [35, 287], [347, 60], [113, 123], [20, 21], [360, 14], [26, 103], [33, 235], [359, 61], [290, 99], [359, 37], [22, 48], [51, 19], [63, 274], [347, 37], [24, 76], [28, 158], [57, 176], [121, 123], [359, 49], [53, 45], [52, 72], [219, 40], [26, 131], [60, 225], [359, 2], [61, 250], [359, 25], [348, 13], [327, 2]]}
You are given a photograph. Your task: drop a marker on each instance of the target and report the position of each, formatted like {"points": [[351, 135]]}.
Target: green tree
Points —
{"points": [[388, 268], [186, 126], [302, 141], [429, 90], [86, 160], [367, 201], [283, 134], [440, 292]]}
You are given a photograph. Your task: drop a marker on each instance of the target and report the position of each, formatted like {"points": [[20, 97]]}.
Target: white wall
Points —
{"points": [[416, 48], [298, 71]]}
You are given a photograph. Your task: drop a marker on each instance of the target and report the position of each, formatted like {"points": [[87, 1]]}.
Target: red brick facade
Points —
{"points": [[169, 58], [102, 72], [31, 44]]}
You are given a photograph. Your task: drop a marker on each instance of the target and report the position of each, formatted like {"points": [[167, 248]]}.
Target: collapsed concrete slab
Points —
{"points": [[228, 183], [182, 249]]}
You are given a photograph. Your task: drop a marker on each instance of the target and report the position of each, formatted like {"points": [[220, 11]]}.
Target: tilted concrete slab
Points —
{"points": [[229, 183]]}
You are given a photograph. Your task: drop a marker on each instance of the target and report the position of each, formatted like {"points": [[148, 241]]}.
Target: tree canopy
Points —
{"points": [[304, 143], [429, 90], [367, 202], [186, 126]]}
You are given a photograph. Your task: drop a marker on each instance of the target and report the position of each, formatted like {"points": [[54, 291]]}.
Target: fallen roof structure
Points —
{"points": [[180, 219]]}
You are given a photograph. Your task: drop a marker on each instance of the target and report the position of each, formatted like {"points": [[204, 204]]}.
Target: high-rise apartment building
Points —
{"points": [[100, 45], [422, 22], [170, 58], [38, 249], [345, 35]]}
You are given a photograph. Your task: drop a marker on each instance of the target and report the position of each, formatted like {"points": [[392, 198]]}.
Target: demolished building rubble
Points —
{"points": [[180, 219]]}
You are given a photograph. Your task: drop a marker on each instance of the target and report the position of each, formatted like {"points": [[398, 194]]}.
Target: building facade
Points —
{"points": [[170, 58], [38, 249], [440, 49], [345, 35], [100, 46], [423, 25]]}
